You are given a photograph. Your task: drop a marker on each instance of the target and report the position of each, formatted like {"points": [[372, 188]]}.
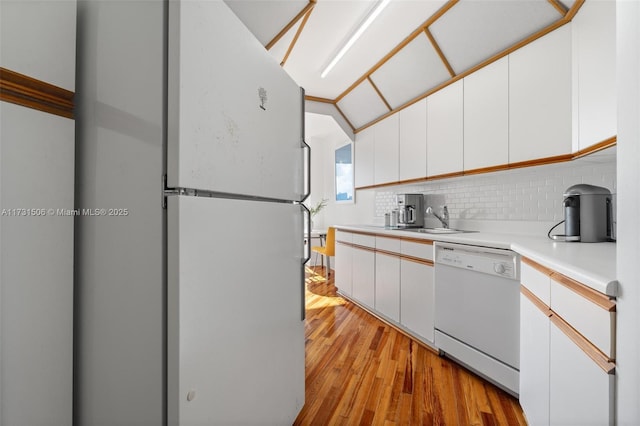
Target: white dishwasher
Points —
{"points": [[477, 314]]}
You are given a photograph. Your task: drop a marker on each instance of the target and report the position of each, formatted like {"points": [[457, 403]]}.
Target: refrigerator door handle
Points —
{"points": [[307, 172], [305, 145], [307, 256], [307, 251]]}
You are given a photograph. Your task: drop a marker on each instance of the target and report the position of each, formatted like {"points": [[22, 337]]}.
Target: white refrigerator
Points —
{"points": [[219, 253]]}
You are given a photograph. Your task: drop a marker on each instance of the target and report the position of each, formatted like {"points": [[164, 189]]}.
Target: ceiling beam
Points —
{"points": [[561, 8], [379, 93], [291, 23], [295, 38], [439, 52], [402, 44]]}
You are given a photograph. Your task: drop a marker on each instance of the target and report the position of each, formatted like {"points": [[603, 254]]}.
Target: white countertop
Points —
{"points": [[592, 264]]}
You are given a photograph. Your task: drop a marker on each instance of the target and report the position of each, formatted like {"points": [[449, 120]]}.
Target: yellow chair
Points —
{"points": [[329, 248]]}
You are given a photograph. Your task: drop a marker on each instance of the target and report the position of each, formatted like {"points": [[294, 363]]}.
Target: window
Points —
{"points": [[344, 174]]}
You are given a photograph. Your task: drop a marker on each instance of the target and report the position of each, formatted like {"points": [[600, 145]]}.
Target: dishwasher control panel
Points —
{"points": [[490, 261]]}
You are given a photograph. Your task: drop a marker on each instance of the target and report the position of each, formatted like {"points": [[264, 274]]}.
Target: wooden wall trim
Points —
{"points": [[402, 44], [318, 99], [440, 53], [375, 87], [291, 23], [296, 36], [534, 299], [562, 10], [608, 143], [574, 9], [537, 266], [345, 118], [29, 92], [606, 364], [588, 293]]}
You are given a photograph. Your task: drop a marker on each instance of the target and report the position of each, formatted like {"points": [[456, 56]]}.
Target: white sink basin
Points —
{"points": [[438, 230]]}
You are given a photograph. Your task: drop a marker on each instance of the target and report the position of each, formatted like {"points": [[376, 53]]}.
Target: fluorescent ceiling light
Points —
{"points": [[372, 16]]}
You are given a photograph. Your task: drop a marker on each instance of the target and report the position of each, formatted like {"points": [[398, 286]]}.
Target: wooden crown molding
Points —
{"points": [[607, 143], [29, 92]]}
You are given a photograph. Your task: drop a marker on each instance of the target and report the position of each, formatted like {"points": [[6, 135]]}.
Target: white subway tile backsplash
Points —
{"points": [[528, 194]]}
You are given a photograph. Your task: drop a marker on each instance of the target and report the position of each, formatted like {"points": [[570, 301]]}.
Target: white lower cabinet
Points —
{"points": [[387, 300], [565, 379], [343, 268], [363, 275], [534, 362], [417, 301], [581, 393]]}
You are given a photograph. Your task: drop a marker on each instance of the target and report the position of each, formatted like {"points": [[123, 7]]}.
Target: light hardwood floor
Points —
{"points": [[360, 370]]}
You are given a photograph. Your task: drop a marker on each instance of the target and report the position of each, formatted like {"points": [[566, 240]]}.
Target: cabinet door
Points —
{"points": [[445, 130], [417, 298], [387, 288], [534, 362], [594, 47], [486, 116], [540, 98], [343, 267], [413, 141], [580, 392], [363, 276], [364, 156], [386, 150]]}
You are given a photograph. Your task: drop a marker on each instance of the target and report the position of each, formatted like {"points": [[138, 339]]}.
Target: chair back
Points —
{"points": [[331, 241]]}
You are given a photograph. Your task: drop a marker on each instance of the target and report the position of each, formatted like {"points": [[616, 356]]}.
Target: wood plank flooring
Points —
{"points": [[361, 371]]}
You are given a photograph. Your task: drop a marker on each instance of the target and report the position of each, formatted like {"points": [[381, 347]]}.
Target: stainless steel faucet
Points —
{"points": [[444, 219]]}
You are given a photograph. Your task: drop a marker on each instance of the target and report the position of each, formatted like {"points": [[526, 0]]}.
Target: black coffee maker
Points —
{"points": [[587, 214]]}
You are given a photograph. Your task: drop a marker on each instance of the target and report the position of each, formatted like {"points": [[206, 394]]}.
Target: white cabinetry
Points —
{"points": [[413, 141], [417, 298], [534, 362], [386, 135], [565, 378], [445, 130], [363, 269], [38, 40], [486, 116], [364, 157], [540, 98], [391, 276], [343, 262], [580, 391], [594, 66], [387, 300]]}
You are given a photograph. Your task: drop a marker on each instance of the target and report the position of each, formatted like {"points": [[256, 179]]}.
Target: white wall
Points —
{"points": [[628, 253]]}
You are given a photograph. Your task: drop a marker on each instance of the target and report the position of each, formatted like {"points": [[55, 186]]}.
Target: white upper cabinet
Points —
{"points": [[413, 141], [38, 39], [445, 130], [540, 98], [486, 116], [364, 156], [594, 67], [386, 150]]}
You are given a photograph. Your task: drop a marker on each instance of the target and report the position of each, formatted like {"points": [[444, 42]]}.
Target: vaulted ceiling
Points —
{"points": [[413, 48]]}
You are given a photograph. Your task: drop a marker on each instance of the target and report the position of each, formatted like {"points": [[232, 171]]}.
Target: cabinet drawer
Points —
{"points": [[590, 313], [416, 249], [388, 244], [344, 236], [536, 279], [364, 240]]}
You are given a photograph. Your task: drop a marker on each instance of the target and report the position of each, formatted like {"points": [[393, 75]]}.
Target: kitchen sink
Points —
{"points": [[437, 230]]}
